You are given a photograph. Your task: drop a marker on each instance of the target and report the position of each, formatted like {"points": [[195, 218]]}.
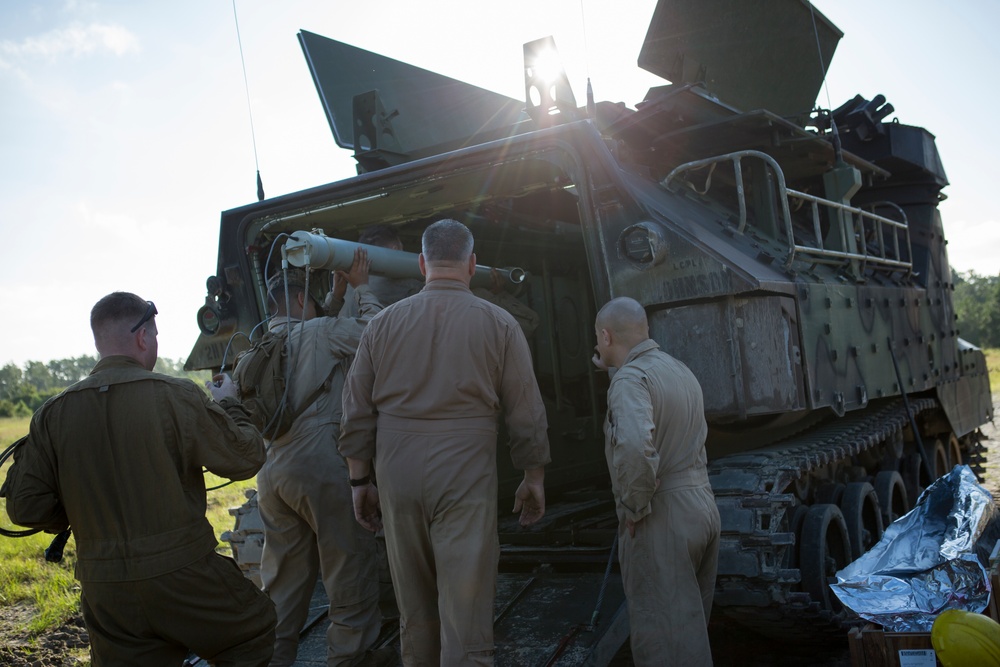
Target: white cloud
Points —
{"points": [[73, 41], [974, 246], [113, 224]]}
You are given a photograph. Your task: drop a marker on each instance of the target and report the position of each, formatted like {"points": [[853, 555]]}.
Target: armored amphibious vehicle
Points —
{"points": [[793, 257]]}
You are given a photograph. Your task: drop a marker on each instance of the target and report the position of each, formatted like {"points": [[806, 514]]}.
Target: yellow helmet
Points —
{"points": [[966, 639]]}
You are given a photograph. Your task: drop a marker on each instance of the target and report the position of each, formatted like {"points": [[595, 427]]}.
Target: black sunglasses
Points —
{"points": [[150, 311]]}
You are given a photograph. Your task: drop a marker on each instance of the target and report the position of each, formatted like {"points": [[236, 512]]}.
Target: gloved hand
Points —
{"points": [[222, 386]]}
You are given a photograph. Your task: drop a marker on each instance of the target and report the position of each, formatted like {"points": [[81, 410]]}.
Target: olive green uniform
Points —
{"points": [[119, 456], [305, 500], [655, 446], [423, 398]]}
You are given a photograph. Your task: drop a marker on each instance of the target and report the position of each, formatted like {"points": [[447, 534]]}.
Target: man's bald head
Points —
{"points": [[626, 319]]}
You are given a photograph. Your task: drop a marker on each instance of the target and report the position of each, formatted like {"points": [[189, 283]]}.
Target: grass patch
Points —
{"points": [[219, 502], [50, 589], [25, 577], [993, 366]]}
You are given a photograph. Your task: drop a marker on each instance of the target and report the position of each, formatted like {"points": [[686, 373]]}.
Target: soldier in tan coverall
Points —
{"points": [[119, 456], [669, 523], [304, 499], [423, 396]]}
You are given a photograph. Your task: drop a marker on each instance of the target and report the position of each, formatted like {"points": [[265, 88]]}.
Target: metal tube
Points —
{"points": [[327, 253]]}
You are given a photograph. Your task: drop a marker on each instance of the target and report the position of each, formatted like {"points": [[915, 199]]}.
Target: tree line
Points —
{"points": [[977, 304], [23, 389]]}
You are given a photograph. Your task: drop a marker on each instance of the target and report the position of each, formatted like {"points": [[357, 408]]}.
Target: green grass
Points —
{"points": [[25, 577], [993, 366], [49, 590]]}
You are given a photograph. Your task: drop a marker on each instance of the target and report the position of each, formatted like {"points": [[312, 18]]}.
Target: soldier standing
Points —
{"points": [[668, 521], [119, 456], [423, 396], [305, 503]]}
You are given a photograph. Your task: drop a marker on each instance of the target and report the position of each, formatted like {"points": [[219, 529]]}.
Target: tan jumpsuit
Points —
{"points": [[119, 457], [655, 432], [305, 501], [422, 398]]}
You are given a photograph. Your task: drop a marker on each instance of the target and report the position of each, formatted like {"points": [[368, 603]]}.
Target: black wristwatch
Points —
{"points": [[361, 482]]}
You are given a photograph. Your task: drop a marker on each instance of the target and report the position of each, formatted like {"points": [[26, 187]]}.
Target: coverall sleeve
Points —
{"points": [[525, 416], [633, 460], [332, 305], [225, 439], [343, 334], [368, 303], [357, 426], [31, 487]]}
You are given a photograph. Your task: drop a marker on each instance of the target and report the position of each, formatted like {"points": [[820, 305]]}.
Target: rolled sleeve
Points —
{"points": [[367, 303]]}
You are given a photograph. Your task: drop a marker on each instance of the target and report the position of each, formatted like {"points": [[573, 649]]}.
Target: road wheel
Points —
{"points": [[794, 519], [825, 549], [891, 492], [863, 517], [829, 493], [955, 457], [940, 458]]}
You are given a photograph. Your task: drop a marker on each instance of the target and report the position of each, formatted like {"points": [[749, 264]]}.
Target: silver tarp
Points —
{"points": [[926, 561]]}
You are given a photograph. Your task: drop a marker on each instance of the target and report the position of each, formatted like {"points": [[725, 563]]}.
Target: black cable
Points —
{"points": [[909, 413], [3, 457], [213, 488], [604, 584]]}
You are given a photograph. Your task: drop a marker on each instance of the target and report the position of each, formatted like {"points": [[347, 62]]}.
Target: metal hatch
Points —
{"points": [[752, 54], [428, 112]]}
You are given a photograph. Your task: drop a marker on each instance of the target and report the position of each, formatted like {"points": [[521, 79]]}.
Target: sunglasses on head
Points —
{"points": [[150, 311]]}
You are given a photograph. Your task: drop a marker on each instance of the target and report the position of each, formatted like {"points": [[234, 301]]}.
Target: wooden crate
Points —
{"points": [[871, 646]]}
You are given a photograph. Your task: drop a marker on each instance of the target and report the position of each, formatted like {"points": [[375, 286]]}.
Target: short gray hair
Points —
{"points": [[446, 241]]}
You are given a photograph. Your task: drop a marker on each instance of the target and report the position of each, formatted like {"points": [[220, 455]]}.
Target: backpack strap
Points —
{"points": [[325, 386]]}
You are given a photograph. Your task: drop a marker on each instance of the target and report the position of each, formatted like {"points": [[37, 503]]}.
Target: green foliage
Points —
{"points": [[24, 389], [977, 304], [993, 366]]}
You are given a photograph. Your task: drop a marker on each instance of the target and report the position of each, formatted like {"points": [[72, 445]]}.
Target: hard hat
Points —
{"points": [[966, 639]]}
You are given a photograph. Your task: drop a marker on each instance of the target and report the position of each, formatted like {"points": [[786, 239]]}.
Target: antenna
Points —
{"points": [[246, 86], [838, 151], [591, 106], [819, 52]]}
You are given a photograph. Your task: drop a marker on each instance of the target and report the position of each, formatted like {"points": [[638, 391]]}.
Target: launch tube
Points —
{"points": [[325, 253]]}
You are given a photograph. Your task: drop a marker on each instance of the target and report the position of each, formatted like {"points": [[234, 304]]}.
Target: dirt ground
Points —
{"points": [[64, 647], [67, 646]]}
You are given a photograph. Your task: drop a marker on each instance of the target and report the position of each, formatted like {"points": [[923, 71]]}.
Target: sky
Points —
{"points": [[125, 127]]}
